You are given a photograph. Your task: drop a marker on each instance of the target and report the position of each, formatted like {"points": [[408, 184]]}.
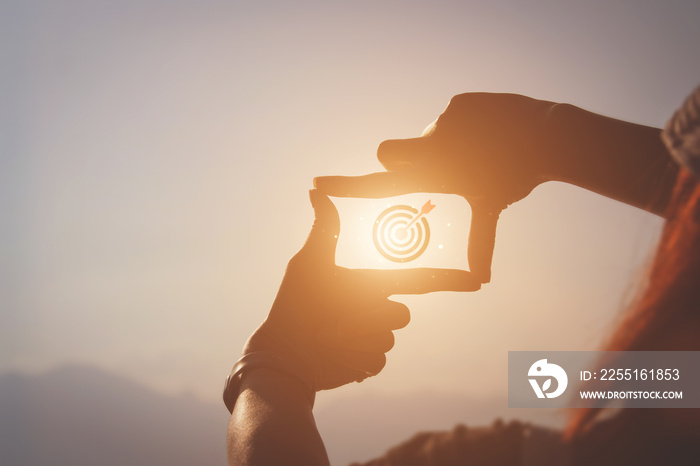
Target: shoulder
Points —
{"points": [[682, 133]]}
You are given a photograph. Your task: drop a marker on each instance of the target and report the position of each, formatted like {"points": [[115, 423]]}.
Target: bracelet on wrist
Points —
{"points": [[258, 360]]}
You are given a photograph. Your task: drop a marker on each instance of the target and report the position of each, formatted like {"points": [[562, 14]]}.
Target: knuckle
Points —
{"points": [[403, 316], [387, 342], [376, 364]]}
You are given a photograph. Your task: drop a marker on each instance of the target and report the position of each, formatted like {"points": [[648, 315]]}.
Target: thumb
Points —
{"points": [[395, 154], [323, 237]]}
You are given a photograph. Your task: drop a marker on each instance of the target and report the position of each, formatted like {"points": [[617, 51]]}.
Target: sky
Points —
{"points": [[156, 157]]}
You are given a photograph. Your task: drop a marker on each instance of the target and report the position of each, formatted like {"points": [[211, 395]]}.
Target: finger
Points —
{"points": [[376, 185], [482, 238], [397, 154], [323, 237], [365, 363], [373, 343], [391, 316], [419, 281]]}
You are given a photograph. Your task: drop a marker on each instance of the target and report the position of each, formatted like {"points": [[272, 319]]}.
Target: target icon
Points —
{"points": [[401, 233]]}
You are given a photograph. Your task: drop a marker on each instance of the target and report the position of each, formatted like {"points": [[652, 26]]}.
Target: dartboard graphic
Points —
{"points": [[401, 233]]}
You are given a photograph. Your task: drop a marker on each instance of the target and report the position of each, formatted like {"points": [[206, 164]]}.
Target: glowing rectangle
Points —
{"points": [[412, 230]]}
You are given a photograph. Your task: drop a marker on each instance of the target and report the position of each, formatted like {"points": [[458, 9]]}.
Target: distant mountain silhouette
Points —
{"points": [[82, 416]]}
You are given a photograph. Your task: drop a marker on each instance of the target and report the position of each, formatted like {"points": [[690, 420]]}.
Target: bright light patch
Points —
{"points": [[403, 232]]}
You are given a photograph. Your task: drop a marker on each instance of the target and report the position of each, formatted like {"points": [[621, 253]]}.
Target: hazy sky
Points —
{"points": [[155, 158]]}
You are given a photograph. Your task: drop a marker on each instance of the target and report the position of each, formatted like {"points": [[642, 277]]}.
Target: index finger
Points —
{"points": [[419, 280], [376, 185], [323, 237]]}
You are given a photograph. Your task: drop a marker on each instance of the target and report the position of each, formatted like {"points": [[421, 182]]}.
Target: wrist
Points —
{"points": [[618, 159], [558, 157], [259, 363]]}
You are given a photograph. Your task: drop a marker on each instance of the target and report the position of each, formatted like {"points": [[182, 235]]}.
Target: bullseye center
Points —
{"points": [[401, 233]]}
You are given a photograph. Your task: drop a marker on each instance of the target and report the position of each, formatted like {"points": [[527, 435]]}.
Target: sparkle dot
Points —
{"points": [[449, 224], [440, 246], [335, 236]]}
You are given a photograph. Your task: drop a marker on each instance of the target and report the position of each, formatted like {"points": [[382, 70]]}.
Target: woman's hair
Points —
{"points": [[666, 315]]}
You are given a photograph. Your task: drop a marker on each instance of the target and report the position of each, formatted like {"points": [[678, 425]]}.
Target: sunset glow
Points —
{"points": [[156, 159]]}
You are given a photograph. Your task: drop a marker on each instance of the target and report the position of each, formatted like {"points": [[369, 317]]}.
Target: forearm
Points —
{"points": [[273, 424], [620, 160]]}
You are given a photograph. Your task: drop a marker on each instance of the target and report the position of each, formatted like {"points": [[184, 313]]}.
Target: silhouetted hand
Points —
{"points": [[335, 323], [488, 148]]}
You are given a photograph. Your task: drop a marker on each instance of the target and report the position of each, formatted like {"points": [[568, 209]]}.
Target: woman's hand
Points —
{"points": [[335, 323], [488, 148], [328, 326], [494, 149]]}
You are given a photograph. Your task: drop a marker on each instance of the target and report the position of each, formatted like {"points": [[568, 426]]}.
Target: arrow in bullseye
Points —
{"points": [[427, 207], [402, 232]]}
